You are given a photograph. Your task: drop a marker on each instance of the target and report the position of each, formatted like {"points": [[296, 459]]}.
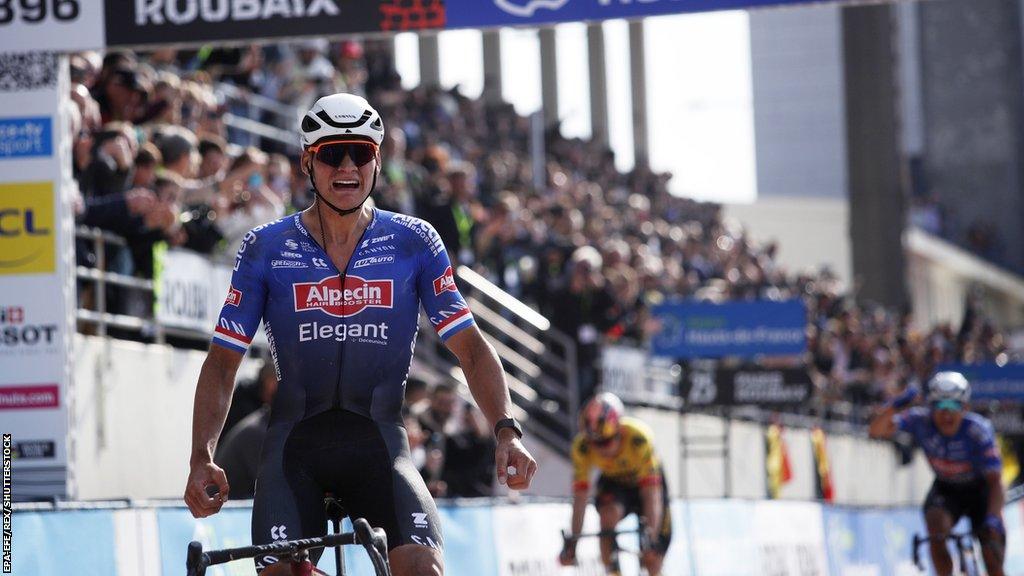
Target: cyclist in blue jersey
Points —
{"points": [[338, 288], [961, 449]]}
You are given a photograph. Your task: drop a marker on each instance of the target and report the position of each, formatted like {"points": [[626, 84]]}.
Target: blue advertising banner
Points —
{"points": [[991, 381], [483, 13], [65, 542], [26, 137], [744, 329]]}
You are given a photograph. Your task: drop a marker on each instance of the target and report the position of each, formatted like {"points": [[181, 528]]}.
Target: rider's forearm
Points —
{"points": [[996, 496], [651, 498], [579, 508], [487, 382], [212, 400]]}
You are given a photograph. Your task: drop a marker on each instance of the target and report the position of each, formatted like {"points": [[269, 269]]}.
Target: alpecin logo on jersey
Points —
{"points": [[327, 295], [445, 283], [234, 297]]}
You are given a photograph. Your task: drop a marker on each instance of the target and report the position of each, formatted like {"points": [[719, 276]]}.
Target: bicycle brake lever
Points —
{"points": [[194, 559]]}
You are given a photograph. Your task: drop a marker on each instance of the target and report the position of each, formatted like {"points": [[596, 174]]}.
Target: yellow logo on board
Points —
{"points": [[27, 229]]}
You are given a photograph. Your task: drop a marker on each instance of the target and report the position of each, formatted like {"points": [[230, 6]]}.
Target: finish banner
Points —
{"points": [[147, 22], [753, 386]]}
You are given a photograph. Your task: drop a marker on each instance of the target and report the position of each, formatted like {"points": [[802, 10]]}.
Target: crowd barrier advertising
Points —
{"points": [[747, 386], [991, 381], [71, 25], [35, 279], [711, 537], [741, 329]]}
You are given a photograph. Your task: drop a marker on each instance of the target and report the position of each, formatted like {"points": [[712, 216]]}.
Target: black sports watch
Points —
{"points": [[508, 423]]}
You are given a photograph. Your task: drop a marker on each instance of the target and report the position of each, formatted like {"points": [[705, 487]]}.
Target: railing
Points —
{"points": [[283, 132], [100, 278], [539, 361]]}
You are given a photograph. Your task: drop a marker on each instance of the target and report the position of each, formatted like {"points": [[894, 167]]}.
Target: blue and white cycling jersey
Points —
{"points": [[959, 459], [341, 339]]}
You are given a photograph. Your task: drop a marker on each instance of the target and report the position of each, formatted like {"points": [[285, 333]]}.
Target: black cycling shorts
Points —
{"points": [[609, 490], [363, 463], [970, 500]]}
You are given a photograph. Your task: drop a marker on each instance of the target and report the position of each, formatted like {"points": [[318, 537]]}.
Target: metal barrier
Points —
{"points": [[283, 132], [100, 278]]}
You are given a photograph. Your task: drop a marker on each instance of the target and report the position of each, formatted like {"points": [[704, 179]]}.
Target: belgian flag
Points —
{"points": [[776, 461], [823, 478]]}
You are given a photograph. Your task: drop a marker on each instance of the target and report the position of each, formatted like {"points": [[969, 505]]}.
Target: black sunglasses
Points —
{"points": [[333, 153]]}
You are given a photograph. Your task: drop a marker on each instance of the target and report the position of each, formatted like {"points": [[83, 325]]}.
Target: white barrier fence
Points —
{"points": [[711, 537]]}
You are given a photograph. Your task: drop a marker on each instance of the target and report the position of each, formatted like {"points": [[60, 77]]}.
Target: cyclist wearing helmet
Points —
{"points": [[961, 449], [338, 288], [631, 481]]}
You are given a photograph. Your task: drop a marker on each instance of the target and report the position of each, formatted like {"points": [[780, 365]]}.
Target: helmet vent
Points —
{"points": [[309, 125]]}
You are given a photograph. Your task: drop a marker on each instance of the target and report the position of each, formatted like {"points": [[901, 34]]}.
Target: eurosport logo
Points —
{"points": [[329, 296], [26, 137], [526, 8]]}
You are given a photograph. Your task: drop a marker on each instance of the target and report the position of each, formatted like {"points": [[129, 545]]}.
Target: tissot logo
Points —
{"points": [[357, 295]]}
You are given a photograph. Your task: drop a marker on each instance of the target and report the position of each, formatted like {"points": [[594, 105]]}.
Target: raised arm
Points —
{"points": [[212, 400], [486, 380], [883, 425]]}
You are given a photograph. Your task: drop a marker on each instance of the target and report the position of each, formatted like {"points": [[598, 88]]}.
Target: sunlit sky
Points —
{"points": [[699, 92]]}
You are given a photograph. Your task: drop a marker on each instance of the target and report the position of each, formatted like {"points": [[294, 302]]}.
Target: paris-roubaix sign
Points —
{"points": [[69, 25]]}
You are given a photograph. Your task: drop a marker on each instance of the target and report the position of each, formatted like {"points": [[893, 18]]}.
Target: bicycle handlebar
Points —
{"points": [[374, 540], [957, 537]]}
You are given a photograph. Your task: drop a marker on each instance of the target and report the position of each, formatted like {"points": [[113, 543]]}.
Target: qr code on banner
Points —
{"points": [[31, 71]]}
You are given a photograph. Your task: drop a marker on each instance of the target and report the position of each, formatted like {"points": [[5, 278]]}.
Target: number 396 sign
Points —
{"points": [[51, 25]]}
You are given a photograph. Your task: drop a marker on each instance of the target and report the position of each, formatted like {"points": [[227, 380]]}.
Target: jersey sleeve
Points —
{"points": [[447, 310], [985, 453], [910, 420], [243, 308], [580, 465]]}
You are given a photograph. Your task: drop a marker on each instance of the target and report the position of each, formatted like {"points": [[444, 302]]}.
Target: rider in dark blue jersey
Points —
{"points": [[961, 449], [338, 288]]}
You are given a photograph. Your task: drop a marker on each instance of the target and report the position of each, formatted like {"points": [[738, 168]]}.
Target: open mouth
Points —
{"points": [[345, 184]]}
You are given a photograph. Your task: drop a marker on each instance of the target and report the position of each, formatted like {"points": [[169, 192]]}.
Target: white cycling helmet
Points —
{"points": [[948, 386], [341, 117]]}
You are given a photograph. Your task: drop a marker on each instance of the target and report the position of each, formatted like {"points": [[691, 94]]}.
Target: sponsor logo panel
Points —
{"points": [[373, 261], [357, 295], [34, 449], [445, 283], [19, 335], [234, 297], [27, 234], [27, 397], [26, 137]]}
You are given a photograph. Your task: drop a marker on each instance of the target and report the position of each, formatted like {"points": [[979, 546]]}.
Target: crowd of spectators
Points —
{"points": [[156, 162]]}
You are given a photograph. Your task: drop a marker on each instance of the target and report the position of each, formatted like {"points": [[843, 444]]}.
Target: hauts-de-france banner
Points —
{"points": [[36, 272]]}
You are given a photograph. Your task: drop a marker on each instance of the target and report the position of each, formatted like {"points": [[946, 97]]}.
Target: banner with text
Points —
{"points": [[991, 381], [36, 273], [747, 386], [740, 329], [636, 376]]}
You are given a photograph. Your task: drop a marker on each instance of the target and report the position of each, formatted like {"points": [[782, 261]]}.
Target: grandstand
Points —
{"points": [[137, 164]]}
